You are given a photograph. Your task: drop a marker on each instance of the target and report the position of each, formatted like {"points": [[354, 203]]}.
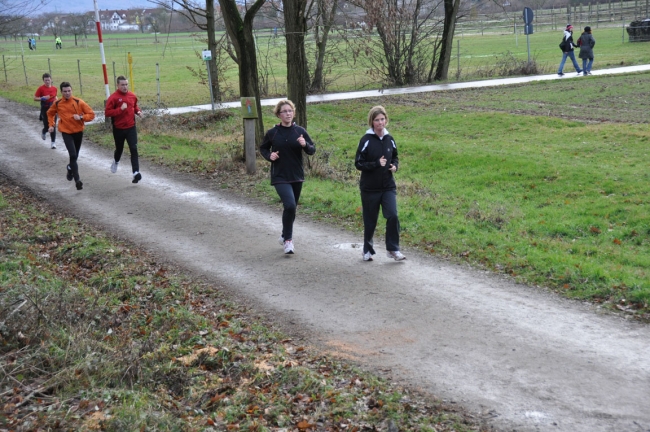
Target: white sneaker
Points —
{"points": [[114, 167], [396, 255], [367, 256], [53, 145], [44, 135], [288, 247], [281, 240]]}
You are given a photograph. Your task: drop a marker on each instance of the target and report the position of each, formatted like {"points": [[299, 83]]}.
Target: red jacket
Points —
{"points": [[46, 91], [122, 119]]}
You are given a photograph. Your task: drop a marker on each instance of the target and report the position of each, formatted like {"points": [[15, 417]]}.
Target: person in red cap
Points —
{"points": [[567, 50]]}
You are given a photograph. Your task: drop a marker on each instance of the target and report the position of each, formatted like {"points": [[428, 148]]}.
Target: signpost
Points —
{"points": [[207, 56], [249, 113], [528, 28]]}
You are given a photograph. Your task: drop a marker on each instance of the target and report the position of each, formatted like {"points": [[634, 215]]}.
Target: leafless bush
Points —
{"points": [[508, 65], [189, 122]]}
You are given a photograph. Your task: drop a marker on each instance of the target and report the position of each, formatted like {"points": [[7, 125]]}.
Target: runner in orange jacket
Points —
{"points": [[73, 113]]}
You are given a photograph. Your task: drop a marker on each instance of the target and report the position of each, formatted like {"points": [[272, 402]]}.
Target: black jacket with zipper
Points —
{"points": [[374, 177], [288, 168]]}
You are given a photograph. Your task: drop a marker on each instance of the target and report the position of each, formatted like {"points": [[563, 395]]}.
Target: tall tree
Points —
{"points": [[406, 29], [204, 18], [447, 42], [78, 24], [297, 75], [323, 22], [12, 11], [241, 35]]}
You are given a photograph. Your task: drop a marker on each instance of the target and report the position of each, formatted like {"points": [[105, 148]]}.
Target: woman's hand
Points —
{"points": [[382, 161], [275, 155], [392, 168], [302, 141]]}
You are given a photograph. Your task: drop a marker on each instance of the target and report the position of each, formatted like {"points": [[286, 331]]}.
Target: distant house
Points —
{"points": [[122, 20]]}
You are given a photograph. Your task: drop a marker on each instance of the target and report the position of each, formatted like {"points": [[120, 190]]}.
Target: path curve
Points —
{"points": [[521, 357]]}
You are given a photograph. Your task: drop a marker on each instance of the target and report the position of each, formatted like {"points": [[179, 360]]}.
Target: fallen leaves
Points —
{"points": [[191, 359]]}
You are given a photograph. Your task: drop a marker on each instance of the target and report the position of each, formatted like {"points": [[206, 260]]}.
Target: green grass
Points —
{"points": [[479, 56], [546, 182]]}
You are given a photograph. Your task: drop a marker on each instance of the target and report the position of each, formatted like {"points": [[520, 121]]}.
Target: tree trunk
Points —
{"points": [[327, 19], [447, 42], [212, 46], [241, 36], [297, 76]]}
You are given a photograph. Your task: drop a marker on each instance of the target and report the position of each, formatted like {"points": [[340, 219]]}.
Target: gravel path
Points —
{"points": [[522, 358]]}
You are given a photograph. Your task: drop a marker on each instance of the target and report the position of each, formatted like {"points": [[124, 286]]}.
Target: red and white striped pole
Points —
{"points": [[101, 49]]}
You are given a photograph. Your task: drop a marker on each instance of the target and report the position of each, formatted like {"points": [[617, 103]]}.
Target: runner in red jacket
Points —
{"points": [[46, 94], [122, 107]]}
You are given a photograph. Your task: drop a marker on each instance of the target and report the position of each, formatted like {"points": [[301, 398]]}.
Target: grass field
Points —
{"points": [[480, 57], [546, 182]]}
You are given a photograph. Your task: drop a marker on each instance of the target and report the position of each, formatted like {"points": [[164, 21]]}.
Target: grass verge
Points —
{"points": [[546, 182], [96, 335]]}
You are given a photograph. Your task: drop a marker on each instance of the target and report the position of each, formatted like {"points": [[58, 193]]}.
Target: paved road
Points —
{"points": [[421, 89], [519, 356]]}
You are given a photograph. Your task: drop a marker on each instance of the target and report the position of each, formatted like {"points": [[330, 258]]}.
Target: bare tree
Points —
{"points": [[13, 10], [78, 25], [323, 22], [407, 31], [203, 16], [451, 14], [240, 32], [158, 20], [53, 23], [297, 76]]}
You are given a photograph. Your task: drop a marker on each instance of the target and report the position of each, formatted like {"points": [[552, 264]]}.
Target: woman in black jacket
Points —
{"points": [[377, 160], [283, 146], [587, 43]]}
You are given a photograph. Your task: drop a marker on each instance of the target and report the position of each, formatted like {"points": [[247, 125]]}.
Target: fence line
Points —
{"points": [[592, 14]]}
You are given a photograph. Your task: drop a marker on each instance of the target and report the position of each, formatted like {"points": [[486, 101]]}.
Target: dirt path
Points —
{"points": [[519, 356]]}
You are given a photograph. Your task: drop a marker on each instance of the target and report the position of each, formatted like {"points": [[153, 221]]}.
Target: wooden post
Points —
{"points": [[249, 144], [249, 113], [24, 70], [81, 87]]}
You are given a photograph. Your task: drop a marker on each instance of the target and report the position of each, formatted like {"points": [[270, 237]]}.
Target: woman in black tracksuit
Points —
{"points": [[283, 146], [377, 160]]}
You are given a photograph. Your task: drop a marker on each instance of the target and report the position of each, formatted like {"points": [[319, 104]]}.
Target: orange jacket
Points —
{"points": [[66, 109]]}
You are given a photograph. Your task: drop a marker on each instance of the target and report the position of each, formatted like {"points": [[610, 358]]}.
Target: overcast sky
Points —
{"points": [[66, 6]]}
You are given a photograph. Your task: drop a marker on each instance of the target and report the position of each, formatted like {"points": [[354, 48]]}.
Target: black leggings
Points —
{"points": [[73, 144], [46, 126], [131, 137], [289, 194], [371, 202]]}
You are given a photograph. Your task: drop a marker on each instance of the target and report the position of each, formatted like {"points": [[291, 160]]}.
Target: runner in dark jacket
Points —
{"points": [[377, 160], [283, 146]]}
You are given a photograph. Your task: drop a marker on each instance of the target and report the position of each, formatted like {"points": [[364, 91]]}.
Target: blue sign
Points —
{"points": [[528, 16]]}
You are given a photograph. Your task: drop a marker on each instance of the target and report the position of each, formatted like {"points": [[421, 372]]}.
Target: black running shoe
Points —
{"points": [[69, 176], [79, 185], [136, 177]]}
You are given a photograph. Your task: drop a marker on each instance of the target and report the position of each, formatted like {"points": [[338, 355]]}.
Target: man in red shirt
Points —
{"points": [[46, 94], [122, 107]]}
